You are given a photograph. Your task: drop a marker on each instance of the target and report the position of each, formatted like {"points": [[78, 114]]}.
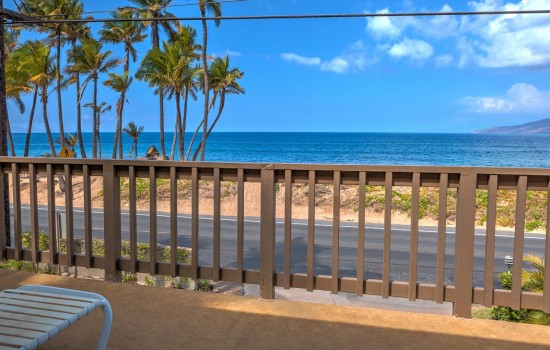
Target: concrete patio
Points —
{"points": [[155, 318]]}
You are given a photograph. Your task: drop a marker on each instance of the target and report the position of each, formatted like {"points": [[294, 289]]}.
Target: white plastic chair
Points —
{"points": [[32, 314]]}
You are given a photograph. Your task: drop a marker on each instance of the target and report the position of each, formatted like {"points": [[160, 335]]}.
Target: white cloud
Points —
{"points": [[308, 61], [486, 41], [336, 65], [229, 53], [512, 40], [353, 59], [383, 26], [444, 61], [415, 49], [520, 98], [439, 27]]}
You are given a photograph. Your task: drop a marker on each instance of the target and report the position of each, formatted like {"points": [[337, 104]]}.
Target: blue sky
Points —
{"points": [[438, 74]]}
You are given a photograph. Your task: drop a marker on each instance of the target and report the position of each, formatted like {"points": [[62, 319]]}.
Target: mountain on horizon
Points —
{"points": [[538, 127]]}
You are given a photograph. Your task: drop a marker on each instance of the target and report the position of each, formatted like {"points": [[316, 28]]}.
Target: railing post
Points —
{"points": [[464, 244], [111, 222], [4, 213], [267, 233]]}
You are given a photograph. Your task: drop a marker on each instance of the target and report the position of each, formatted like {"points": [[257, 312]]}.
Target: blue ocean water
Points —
{"points": [[344, 148]]}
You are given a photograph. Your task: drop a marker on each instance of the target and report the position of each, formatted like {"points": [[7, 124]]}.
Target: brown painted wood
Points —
{"points": [[359, 290], [311, 231], [173, 222], [69, 214], [335, 232], [413, 257], [240, 224], [51, 214], [386, 262], [441, 239], [195, 224], [153, 220], [133, 217], [490, 232], [288, 229], [87, 188], [216, 246], [518, 242], [33, 191]]}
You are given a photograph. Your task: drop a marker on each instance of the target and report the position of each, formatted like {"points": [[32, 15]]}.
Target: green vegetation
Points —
{"points": [[532, 280], [204, 285], [174, 65], [535, 215], [98, 248]]}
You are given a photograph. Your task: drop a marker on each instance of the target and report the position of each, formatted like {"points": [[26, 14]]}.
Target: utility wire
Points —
{"points": [[276, 17], [164, 7]]}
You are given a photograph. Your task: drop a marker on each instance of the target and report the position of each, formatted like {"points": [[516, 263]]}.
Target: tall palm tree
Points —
{"points": [[121, 84], [155, 9], [134, 131], [35, 61], [89, 59], [223, 81], [214, 7], [76, 32], [168, 69], [14, 84], [60, 9], [127, 33], [98, 110]]}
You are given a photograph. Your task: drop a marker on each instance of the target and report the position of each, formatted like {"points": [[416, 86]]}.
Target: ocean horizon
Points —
{"points": [[338, 148]]}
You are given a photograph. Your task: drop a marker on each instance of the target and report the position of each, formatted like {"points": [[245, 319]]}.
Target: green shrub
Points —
{"points": [[149, 281], [129, 278], [505, 313], [204, 285]]}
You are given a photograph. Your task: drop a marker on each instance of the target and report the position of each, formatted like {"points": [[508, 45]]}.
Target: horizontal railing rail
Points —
{"points": [[101, 184]]}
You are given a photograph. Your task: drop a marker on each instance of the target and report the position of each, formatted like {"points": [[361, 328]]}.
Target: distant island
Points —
{"points": [[538, 127]]}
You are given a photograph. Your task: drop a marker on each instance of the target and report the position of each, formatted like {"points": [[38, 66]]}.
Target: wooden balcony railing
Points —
{"points": [[273, 262]]}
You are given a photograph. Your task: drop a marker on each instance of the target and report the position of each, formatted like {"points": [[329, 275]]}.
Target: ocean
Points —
{"points": [[342, 148]]}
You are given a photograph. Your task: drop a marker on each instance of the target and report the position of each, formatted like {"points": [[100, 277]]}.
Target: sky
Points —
{"points": [[406, 74]]}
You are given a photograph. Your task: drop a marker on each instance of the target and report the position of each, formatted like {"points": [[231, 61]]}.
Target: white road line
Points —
{"points": [[294, 223]]}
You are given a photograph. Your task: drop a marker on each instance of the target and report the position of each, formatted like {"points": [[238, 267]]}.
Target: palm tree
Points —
{"points": [[60, 9], [223, 81], [89, 59], [169, 70], [121, 84], [76, 32], [98, 111], [155, 9], [127, 33], [15, 81], [214, 7], [35, 61], [133, 131]]}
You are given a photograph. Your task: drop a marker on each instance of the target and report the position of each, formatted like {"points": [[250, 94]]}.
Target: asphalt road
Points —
{"points": [[374, 240]]}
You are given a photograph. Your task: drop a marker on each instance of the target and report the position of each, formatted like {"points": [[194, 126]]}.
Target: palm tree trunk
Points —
{"points": [[10, 137], [135, 149], [59, 106], [193, 140], [118, 132], [205, 77], [94, 128], [156, 42], [98, 134], [178, 123], [197, 130], [29, 128], [79, 118], [47, 123], [174, 140], [184, 122], [220, 109]]}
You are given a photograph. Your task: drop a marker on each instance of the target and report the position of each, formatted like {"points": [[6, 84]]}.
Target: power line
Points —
{"points": [[164, 7], [275, 17], [278, 17]]}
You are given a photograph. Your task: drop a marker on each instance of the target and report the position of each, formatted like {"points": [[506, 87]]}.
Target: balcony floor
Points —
{"points": [[155, 318]]}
